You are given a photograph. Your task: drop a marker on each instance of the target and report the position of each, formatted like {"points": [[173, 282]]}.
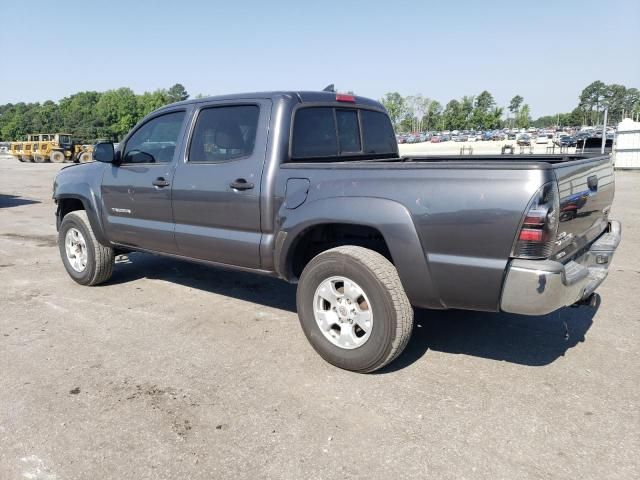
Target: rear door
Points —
{"points": [[136, 192], [586, 194], [216, 189]]}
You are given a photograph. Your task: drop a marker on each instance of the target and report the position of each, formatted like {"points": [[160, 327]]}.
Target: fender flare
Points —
{"points": [[85, 194], [393, 221]]}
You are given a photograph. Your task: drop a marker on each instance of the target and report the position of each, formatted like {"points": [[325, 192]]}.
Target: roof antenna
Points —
{"points": [[329, 88]]}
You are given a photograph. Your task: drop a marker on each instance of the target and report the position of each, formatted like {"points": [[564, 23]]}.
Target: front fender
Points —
{"points": [[69, 185], [393, 221]]}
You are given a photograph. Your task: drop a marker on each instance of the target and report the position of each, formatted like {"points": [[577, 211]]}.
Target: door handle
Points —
{"points": [[160, 182], [241, 184]]}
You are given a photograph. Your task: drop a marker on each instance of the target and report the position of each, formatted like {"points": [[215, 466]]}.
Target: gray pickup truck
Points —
{"points": [[309, 187]]}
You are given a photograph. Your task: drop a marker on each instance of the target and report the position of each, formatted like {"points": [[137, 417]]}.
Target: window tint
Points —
{"points": [[336, 132], [155, 141], [348, 131], [378, 136], [314, 133], [224, 133]]}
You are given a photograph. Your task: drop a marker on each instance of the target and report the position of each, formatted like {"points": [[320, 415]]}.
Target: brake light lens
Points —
{"points": [[342, 97], [539, 227]]}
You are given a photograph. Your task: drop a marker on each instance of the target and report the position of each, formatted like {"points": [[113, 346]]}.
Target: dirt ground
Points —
{"points": [[173, 370]]}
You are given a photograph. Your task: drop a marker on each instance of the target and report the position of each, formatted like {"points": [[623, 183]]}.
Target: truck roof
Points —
{"points": [[301, 96]]}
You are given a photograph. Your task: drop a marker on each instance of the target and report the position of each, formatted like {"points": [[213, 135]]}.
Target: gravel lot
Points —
{"points": [[173, 370]]}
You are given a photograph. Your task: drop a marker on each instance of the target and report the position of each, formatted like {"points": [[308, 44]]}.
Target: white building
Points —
{"points": [[627, 147]]}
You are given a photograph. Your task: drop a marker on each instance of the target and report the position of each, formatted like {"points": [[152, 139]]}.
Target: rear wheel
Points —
{"points": [[85, 259], [26, 158], [57, 157], [39, 159], [84, 157], [353, 308]]}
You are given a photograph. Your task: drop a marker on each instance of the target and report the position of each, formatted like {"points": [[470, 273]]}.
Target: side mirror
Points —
{"points": [[104, 152]]}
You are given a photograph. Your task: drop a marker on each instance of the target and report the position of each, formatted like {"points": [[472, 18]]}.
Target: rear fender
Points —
{"points": [[393, 221]]}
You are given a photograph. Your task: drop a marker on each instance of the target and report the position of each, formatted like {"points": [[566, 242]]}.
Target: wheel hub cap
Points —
{"points": [[343, 312]]}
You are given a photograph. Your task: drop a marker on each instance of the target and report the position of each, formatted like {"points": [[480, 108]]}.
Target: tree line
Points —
{"points": [[110, 115], [419, 113], [87, 115]]}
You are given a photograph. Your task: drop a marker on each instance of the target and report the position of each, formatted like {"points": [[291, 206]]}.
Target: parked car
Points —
{"points": [[566, 141], [499, 136], [542, 139], [283, 184], [524, 140], [436, 139]]}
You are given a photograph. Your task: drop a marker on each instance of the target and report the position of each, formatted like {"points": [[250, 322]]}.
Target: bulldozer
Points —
{"points": [[50, 147]]}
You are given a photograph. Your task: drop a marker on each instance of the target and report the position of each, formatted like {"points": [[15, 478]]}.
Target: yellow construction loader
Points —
{"points": [[50, 147]]}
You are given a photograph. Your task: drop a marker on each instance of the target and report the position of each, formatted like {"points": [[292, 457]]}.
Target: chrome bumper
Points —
{"points": [[538, 287]]}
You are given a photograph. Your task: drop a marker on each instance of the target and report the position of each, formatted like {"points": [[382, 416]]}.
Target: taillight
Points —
{"points": [[539, 227]]}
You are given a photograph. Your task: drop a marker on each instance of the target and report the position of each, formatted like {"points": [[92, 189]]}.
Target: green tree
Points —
{"points": [[523, 120], [591, 99], [514, 105], [177, 93], [150, 101], [482, 115], [118, 111], [432, 117], [396, 107]]}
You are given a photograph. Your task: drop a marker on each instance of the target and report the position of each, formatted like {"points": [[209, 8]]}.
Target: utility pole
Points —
{"points": [[604, 131]]}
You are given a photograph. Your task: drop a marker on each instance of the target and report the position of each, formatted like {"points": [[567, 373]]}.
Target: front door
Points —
{"points": [[136, 192], [216, 189]]}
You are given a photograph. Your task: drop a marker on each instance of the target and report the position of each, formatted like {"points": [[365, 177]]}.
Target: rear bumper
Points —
{"points": [[538, 287]]}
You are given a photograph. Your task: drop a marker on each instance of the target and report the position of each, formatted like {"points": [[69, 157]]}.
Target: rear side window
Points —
{"points": [[320, 132], [224, 133]]}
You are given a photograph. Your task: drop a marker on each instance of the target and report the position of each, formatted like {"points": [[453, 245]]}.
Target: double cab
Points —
{"points": [[309, 187]]}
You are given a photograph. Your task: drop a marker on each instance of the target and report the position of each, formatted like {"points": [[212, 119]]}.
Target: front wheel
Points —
{"points": [[353, 308], [57, 157], [86, 260]]}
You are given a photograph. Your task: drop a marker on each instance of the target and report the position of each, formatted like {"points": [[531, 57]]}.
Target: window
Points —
{"points": [[378, 136], [348, 131], [314, 133], [224, 133], [155, 141], [336, 132]]}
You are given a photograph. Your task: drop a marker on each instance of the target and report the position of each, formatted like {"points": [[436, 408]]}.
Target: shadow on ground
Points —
{"points": [[524, 340], [7, 201]]}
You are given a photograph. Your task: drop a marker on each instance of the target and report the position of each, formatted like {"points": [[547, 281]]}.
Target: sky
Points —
{"points": [[547, 51]]}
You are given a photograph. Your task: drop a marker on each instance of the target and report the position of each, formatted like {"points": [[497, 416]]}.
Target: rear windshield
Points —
{"points": [[321, 132]]}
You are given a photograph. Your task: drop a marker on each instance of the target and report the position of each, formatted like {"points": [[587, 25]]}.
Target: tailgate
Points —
{"points": [[586, 194]]}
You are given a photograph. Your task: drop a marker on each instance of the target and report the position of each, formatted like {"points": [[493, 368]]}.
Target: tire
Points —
{"points": [[57, 157], [26, 159], [39, 159], [99, 259], [21, 158], [386, 301], [84, 157]]}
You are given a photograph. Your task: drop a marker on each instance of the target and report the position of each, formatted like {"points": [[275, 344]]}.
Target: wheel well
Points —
{"points": [[67, 205], [323, 237]]}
